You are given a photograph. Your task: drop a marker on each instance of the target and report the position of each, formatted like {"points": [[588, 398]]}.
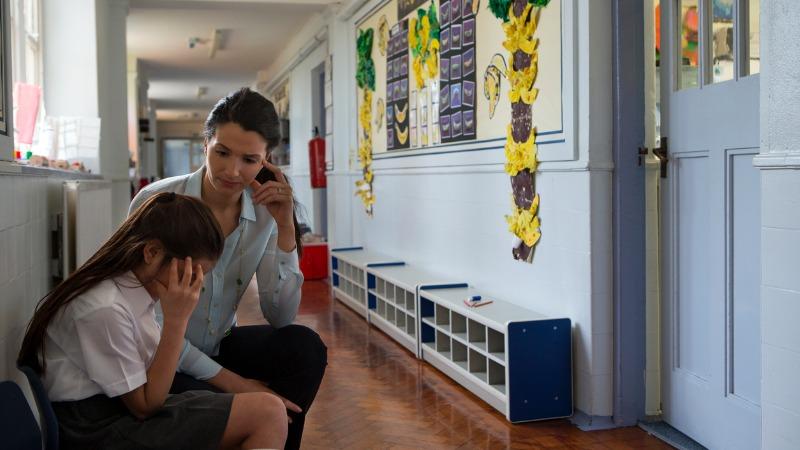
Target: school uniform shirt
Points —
{"points": [[252, 248], [102, 342]]}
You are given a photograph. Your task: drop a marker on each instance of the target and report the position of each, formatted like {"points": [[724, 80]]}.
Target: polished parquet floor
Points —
{"points": [[376, 395]]}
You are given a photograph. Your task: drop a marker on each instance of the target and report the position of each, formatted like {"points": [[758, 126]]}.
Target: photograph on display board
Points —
{"points": [[467, 100]]}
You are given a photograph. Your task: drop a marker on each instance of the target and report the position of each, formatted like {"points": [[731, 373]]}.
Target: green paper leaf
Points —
{"points": [[539, 3], [500, 8]]}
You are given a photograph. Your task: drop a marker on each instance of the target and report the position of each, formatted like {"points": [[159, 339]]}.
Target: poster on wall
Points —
{"points": [[457, 105], [397, 103], [463, 98]]}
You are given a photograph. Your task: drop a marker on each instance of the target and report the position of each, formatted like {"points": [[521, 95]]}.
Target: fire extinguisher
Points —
{"points": [[316, 158]]}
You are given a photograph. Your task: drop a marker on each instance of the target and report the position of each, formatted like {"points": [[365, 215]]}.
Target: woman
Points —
{"points": [[107, 365], [261, 238]]}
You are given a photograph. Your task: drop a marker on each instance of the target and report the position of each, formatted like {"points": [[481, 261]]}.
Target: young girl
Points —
{"points": [[108, 366]]}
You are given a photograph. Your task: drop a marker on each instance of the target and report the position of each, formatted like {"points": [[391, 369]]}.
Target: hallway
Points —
{"points": [[377, 395]]}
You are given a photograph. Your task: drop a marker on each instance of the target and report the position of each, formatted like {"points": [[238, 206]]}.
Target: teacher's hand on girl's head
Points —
{"points": [[275, 195], [180, 295]]}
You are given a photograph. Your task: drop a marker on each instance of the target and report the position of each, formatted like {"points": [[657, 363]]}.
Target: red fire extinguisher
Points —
{"points": [[316, 158]]}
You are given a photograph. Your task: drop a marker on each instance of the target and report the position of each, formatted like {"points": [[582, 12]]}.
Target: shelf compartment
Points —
{"points": [[442, 342], [401, 320], [459, 326], [477, 364], [381, 287], [426, 308], [410, 303], [410, 325], [400, 297], [497, 376], [390, 313], [381, 308], [427, 333], [476, 334], [459, 355], [442, 316], [389, 292]]}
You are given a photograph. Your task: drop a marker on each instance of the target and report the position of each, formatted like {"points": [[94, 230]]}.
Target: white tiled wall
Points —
{"points": [[453, 223], [780, 308], [24, 255]]}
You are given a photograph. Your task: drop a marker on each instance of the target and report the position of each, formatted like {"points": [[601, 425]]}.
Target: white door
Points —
{"points": [[711, 221]]}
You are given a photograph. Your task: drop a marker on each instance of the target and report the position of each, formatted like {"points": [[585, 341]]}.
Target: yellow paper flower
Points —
{"points": [[418, 75], [520, 155], [364, 186], [519, 31], [412, 32], [525, 223], [433, 59], [425, 32]]}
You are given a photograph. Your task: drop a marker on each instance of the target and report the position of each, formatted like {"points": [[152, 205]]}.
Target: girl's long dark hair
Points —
{"points": [[251, 111], [183, 225]]}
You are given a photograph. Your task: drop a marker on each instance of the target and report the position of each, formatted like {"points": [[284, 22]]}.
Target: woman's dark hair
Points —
{"points": [[251, 111], [183, 225]]}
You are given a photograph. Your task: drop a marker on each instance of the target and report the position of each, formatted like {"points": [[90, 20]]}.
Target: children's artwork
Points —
{"points": [[397, 87], [465, 71], [458, 52], [468, 93]]}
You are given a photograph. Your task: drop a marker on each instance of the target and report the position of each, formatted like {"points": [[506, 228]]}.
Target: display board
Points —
{"points": [[467, 99]]}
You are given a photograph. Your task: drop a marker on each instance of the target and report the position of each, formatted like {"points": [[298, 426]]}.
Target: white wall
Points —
{"points": [[301, 123], [24, 254], [85, 76], [451, 219], [780, 222]]}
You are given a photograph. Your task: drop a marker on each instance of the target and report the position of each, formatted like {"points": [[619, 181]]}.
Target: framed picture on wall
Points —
{"points": [[6, 126]]}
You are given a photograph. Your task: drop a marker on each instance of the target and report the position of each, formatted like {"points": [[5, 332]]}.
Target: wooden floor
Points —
{"points": [[377, 395]]}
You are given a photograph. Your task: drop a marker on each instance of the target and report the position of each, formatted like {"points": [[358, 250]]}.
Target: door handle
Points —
{"points": [[662, 153]]}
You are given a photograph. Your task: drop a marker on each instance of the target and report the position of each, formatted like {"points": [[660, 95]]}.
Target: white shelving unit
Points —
{"points": [[348, 275], [392, 300], [516, 360]]}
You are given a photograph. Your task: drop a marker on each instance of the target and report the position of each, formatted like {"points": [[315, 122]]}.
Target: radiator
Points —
{"points": [[82, 226]]}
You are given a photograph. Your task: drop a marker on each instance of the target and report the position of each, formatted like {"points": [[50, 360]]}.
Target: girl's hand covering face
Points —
{"points": [[275, 195], [180, 294]]}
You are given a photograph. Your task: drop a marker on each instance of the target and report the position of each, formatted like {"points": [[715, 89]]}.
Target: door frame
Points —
{"points": [[629, 211]]}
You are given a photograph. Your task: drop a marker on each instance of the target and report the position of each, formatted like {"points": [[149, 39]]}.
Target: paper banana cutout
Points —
{"points": [[379, 112], [383, 34], [476, 5], [402, 136], [492, 78]]}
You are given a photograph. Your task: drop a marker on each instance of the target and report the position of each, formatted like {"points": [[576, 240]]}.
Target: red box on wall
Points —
{"points": [[314, 263]]}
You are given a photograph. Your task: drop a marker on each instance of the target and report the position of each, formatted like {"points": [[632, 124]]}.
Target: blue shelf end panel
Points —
{"points": [[336, 280], [539, 369], [371, 300], [427, 333], [425, 307], [335, 263]]}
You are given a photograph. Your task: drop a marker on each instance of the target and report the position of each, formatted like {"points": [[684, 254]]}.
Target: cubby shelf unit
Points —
{"points": [[516, 360], [348, 275], [392, 300]]}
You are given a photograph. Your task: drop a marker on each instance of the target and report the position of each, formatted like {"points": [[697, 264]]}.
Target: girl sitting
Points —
{"points": [[108, 366]]}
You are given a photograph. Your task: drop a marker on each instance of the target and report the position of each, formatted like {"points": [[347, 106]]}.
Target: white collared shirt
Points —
{"points": [[252, 248], [102, 342]]}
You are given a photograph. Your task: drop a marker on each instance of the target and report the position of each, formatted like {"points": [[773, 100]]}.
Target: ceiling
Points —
{"points": [[253, 33]]}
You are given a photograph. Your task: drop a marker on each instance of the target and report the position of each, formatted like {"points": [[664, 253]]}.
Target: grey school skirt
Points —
{"points": [[190, 420]]}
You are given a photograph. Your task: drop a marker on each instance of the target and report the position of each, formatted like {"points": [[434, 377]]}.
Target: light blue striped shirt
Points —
{"points": [[277, 273]]}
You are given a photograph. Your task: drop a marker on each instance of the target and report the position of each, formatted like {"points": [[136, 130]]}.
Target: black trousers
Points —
{"points": [[291, 360]]}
